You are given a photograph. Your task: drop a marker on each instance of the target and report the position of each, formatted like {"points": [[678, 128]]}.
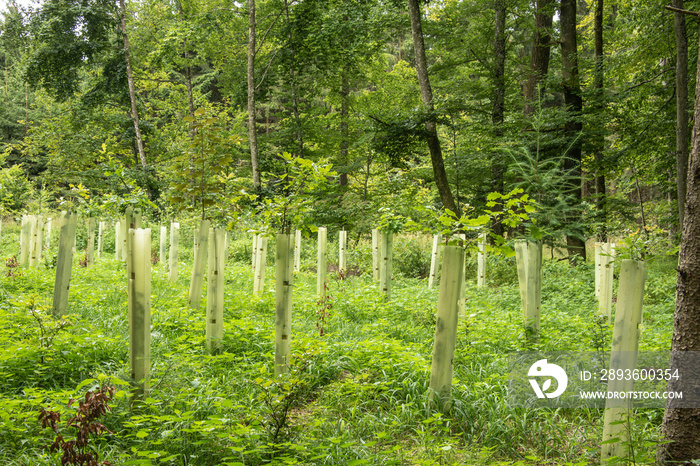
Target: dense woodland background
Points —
{"points": [[591, 135]]}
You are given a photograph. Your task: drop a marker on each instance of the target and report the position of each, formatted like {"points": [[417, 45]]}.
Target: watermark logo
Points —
{"points": [[542, 368]]}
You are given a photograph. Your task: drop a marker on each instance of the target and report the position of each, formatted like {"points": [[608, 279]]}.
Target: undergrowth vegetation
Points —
{"points": [[357, 390]]}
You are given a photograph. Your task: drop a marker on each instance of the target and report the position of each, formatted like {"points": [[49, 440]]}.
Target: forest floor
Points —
{"points": [[357, 392]]}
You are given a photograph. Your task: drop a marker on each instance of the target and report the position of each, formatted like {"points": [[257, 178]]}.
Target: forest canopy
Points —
{"points": [[184, 105]]}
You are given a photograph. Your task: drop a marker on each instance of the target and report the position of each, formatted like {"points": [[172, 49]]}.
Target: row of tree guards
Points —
{"points": [[528, 258], [133, 245]]}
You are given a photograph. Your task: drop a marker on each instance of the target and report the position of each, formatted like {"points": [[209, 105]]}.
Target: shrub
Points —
{"points": [[15, 189], [411, 257]]}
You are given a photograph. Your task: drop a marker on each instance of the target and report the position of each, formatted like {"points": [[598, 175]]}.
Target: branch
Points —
{"points": [[267, 69], [650, 79], [685, 12], [378, 120], [651, 121], [479, 59], [262, 41], [144, 77]]}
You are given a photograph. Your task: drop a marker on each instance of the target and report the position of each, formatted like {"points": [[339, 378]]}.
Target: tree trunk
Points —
{"points": [[344, 126], [681, 426], [599, 132], [682, 131], [427, 97], [252, 133], [188, 83], [190, 98], [132, 91], [573, 127], [498, 166], [499, 60], [539, 58]]}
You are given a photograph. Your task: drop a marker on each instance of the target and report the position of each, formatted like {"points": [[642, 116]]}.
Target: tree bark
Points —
{"points": [[188, 83], [344, 126], [573, 127], [599, 132], [539, 58], [132, 91], [190, 97], [682, 130], [681, 426], [499, 60], [498, 166], [426, 93], [252, 132]]}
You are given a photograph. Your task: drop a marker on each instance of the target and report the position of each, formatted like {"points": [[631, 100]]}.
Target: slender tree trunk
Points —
{"points": [[539, 58], [498, 166], [499, 60], [295, 97], [599, 133], [190, 104], [132, 91], [6, 128], [682, 129], [190, 98], [252, 132], [6, 85], [573, 126], [681, 426], [344, 126], [426, 93], [188, 84]]}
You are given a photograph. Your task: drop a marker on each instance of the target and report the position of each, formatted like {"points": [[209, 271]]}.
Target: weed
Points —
{"points": [[49, 261], [83, 261], [48, 327], [77, 451], [13, 270], [279, 396], [600, 330], [325, 303], [411, 258]]}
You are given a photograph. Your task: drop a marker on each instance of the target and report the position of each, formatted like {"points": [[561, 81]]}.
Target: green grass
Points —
{"points": [[356, 395]]}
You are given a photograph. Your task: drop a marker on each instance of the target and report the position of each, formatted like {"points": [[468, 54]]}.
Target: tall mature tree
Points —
{"points": [[344, 124], [426, 93], [349, 38], [132, 88], [573, 127], [681, 425], [188, 66], [252, 131], [682, 129], [13, 46], [69, 35], [499, 66], [76, 34], [539, 57], [498, 166], [599, 104]]}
